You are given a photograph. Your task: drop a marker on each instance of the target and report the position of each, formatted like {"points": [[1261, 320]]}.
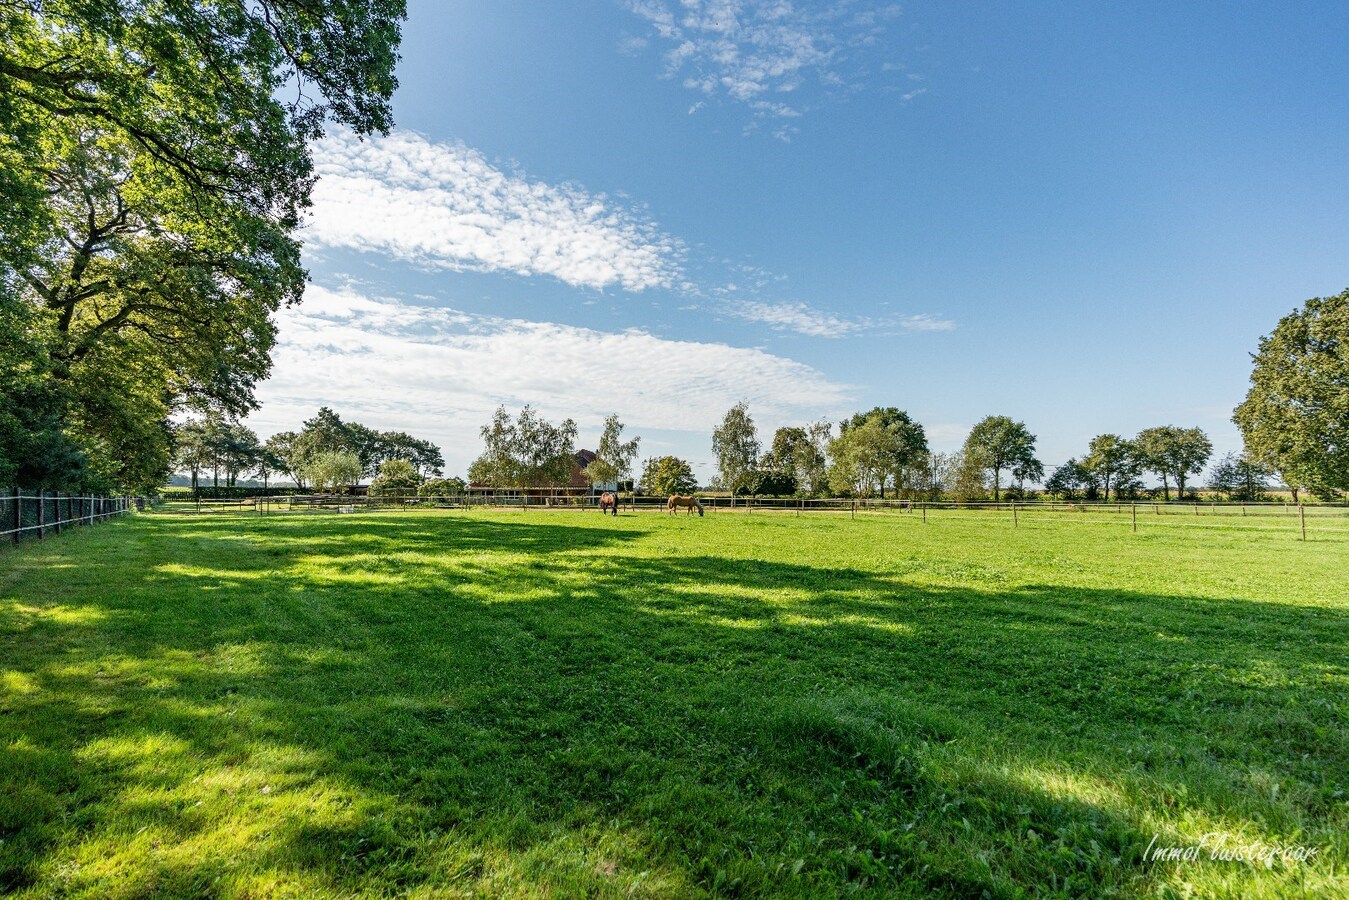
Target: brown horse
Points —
{"points": [[682, 501], [608, 503]]}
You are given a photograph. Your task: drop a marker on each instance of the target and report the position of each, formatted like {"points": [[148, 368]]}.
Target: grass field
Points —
{"points": [[562, 704]]}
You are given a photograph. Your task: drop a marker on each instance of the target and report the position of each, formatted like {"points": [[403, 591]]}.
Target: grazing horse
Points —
{"points": [[681, 501], [608, 503]]}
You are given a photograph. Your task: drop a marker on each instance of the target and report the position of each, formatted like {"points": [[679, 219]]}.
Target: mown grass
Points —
{"points": [[561, 704]]}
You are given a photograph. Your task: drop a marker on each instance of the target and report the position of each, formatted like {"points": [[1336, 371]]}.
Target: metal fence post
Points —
{"points": [[41, 514], [58, 512]]}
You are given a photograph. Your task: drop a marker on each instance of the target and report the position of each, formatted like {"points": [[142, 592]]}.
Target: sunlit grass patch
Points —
{"points": [[534, 704]]}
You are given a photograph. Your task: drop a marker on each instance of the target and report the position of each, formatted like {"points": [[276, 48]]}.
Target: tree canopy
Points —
{"points": [[154, 165], [614, 456], [1110, 457], [334, 470], [1295, 419], [902, 450], [396, 477], [665, 475], [997, 443], [1240, 478], [527, 451], [735, 443], [861, 458], [1173, 452]]}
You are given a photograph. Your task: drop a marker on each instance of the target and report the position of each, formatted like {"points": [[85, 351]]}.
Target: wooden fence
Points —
{"points": [[36, 514], [1325, 517]]}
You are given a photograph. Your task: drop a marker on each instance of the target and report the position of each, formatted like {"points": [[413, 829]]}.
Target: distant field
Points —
{"points": [[452, 703]]}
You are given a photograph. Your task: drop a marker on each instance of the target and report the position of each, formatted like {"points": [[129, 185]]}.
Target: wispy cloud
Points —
{"points": [[759, 52], [925, 322], [443, 205], [802, 318], [798, 317], [390, 363]]}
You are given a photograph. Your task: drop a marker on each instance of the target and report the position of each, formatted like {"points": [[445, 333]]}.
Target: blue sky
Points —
{"points": [[1079, 215]]}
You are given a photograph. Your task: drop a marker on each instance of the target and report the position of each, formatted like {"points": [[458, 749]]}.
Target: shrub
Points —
{"points": [[764, 483], [396, 477], [441, 487], [334, 471]]}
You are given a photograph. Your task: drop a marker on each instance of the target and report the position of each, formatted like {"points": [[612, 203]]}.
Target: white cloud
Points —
{"points": [[439, 373], [805, 319], [444, 206], [797, 317], [749, 50], [631, 45], [925, 322]]}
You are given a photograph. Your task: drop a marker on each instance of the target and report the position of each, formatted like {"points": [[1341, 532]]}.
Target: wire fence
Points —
{"points": [[1268, 515], [39, 513]]}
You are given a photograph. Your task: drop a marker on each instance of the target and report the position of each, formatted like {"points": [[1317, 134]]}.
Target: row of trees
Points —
{"points": [[154, 167], [326, 452], [529, 451], [1114, 463], [884, 451]]}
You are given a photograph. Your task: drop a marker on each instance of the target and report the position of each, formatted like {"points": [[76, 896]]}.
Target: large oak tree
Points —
{"points": [[154, 166]]}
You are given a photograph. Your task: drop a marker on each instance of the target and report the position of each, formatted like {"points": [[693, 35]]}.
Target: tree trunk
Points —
{"points": [[996, 473]]}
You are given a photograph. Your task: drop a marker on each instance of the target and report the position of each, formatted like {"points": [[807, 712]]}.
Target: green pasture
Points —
{"points": [[455, 703]]}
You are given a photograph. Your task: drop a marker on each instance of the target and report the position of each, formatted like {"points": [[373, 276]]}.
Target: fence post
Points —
{"points": [[41, 514], [58, 512], [854, 509], [18, 513], [1133, 508], [924, 512], [1302, 516], [1014, 521]]}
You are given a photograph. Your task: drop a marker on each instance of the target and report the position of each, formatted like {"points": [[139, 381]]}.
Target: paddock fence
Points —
{"points": [[36, 514], [1326, 518]]}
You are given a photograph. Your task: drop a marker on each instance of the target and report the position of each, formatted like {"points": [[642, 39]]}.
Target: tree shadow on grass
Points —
{"points": [[387, 703]]}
